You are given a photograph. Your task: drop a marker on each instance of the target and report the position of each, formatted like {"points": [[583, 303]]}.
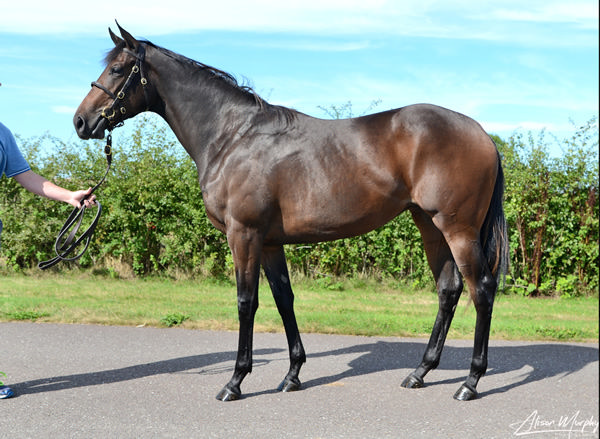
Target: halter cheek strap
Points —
{"points": [[110, 112]]}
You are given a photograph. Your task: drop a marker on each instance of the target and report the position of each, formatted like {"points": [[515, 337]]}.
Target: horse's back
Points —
{"points": [[349, 176]]}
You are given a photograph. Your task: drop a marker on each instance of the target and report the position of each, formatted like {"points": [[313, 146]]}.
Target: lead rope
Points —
{"points": [[63, 247]]}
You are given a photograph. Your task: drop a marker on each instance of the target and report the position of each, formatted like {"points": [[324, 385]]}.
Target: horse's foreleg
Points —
{"points": [[245, 247], [275, 267], [449, 286]]}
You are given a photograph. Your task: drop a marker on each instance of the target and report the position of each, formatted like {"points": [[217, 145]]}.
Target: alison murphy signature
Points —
{"points": [[571, 426]]}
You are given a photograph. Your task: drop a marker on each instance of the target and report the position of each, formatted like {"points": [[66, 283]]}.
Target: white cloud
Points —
{"points": [[452, 19], [346, 25], [320, 45], [584, 13]]}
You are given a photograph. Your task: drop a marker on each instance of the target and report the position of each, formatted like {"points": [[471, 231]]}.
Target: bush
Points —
{"points": [[154, 220], [551, 207]]}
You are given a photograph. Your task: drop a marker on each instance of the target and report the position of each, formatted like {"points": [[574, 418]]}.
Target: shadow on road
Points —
{"points": [[176, 365], [539, 360]]}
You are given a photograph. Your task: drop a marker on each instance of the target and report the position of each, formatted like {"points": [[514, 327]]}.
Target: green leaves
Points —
{"points": [[154, 220], [394, 249], [551, 206], [174, 319]]}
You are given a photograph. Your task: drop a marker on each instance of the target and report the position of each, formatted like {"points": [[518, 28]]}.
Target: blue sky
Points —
{"points": [[511, 65]]}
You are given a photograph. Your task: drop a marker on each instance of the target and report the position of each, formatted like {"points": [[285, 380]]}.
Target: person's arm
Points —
{"points": [[40, 186]]}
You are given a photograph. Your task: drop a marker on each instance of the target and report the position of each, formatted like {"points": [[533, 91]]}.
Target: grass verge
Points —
{"points": [[354, 307]]}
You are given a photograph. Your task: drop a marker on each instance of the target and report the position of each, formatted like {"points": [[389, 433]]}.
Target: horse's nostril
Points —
{"points": [[80, 124]]}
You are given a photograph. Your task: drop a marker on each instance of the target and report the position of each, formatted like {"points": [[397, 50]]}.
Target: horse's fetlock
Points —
{"points": [[431, 361], [479, 366], [243, 368]]}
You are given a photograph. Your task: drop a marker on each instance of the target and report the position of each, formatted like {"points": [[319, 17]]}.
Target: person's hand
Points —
{"points": [[80, 195]]}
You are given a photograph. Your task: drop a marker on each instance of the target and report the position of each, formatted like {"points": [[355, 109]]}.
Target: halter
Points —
{"points": [[109, 112], [67, 241]]}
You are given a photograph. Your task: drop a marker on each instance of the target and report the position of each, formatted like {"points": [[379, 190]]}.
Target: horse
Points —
{"points": [[272, 176]]}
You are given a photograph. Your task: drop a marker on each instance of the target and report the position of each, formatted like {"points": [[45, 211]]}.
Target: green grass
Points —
{"points": [[174, 319], [357, 307]]}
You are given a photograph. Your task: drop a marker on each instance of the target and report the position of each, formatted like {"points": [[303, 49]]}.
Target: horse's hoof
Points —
{"points": [[227, 394], [465, 393], [289, 385], [412, 382]]}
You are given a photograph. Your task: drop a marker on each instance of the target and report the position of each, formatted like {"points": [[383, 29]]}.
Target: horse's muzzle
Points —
{"points": [[88, 131]]}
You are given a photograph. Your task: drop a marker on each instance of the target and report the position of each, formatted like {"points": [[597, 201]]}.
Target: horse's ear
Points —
{"points": [[113, 37], [131, 42]]}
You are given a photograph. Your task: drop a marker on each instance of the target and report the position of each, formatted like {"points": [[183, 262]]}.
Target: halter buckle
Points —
{"points": [[109, 117]]}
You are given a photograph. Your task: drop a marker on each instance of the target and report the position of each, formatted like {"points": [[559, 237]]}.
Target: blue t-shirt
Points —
{"points": [[11, 160]]}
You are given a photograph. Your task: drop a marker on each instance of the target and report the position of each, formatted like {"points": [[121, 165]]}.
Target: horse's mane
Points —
{"points": [[215, 73]]}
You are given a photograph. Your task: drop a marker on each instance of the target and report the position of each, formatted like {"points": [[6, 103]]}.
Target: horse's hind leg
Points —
{"points": [[449, 287], [275, 267], [468, 254]]}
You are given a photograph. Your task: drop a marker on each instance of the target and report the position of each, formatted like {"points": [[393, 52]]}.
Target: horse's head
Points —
{"points": [[121, 91]]}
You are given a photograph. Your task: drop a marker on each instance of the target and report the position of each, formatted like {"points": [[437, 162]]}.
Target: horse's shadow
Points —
{"points": [[175, 365], [540, 361], [543, 361]]}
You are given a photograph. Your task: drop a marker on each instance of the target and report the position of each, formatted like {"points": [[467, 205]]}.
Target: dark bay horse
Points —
{"points": [[272, 176]]}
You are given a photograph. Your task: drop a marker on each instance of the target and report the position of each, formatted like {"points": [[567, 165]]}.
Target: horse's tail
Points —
{"points": [[494, 232]]}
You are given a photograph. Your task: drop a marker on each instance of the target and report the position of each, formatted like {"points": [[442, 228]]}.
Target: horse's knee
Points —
{"points": [[247, 306]]}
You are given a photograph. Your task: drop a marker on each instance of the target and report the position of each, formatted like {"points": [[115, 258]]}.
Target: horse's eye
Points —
{"points": [[116, 70]]}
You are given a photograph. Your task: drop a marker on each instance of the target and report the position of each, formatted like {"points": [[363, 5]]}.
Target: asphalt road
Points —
{"points": [[80, 381]]}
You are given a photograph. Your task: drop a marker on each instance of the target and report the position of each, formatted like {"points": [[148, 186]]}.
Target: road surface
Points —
{"points": [[86, 381]]}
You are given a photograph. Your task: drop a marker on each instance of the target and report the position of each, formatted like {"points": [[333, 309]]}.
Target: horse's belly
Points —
{"points": [[335, 219]]}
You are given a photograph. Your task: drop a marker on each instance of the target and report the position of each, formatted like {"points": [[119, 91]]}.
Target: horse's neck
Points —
{"points": [[204, 117]]}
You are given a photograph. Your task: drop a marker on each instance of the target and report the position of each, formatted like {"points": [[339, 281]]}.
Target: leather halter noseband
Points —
{"points": [[109, 112]]}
